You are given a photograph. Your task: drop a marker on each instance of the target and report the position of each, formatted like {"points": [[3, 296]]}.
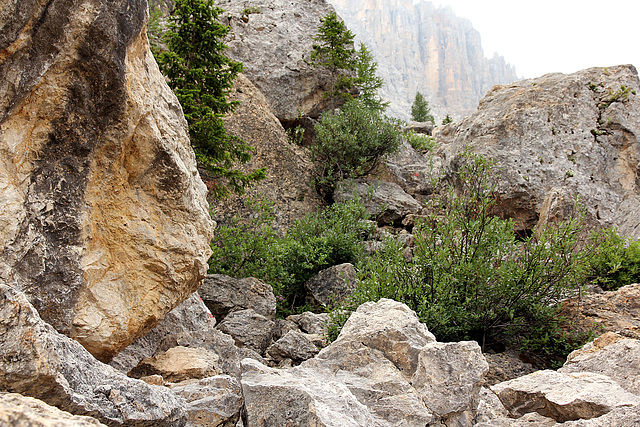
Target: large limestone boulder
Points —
{"points": [[37, 361], [104, 222], [555, 137], [384, 369], [612, 355], [275, 45], [563, 397], [18, 411]]}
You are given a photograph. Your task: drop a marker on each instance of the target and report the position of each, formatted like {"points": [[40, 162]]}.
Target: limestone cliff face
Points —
{"points": [[103, 218], [427, 49]]}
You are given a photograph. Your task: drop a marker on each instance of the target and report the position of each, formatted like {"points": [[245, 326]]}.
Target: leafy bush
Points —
{"points": [[419, 142], [616, 261], [351, 142], [470, 277], [251, 248]]}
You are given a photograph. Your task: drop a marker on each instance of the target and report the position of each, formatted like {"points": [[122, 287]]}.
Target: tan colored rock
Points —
{"points": [[626, 416], [104, 223], [555, 137], [21, 411], [563, 397], [528, 420], [179, 364], [289, 171], [612, 355]]}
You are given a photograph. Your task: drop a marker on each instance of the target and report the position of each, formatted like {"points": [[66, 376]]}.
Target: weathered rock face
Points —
{"points": [[289, 171], [17, 410], [420, 47], [223, 294], [37, 361], [332, 285], [555, 137], [275, 45], [104, 221]]}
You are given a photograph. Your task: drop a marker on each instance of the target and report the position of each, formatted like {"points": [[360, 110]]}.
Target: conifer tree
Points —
{"points": [[420, 111], [368, 80], [201, 77]]}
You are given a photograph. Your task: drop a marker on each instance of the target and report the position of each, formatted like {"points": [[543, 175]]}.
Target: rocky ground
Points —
{"points": [[104, 245]]}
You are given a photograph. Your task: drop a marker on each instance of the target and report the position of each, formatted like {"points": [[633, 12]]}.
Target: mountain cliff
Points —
{"points": [[428, 49]]}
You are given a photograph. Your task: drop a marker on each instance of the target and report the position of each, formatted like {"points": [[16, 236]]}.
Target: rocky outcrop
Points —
{"points": [[421, 47], [104, 220], [39, 362], [289, 172], [557, 137], [223, 294], [331, 285], [384, 369], [20, 411], [275, 42]]}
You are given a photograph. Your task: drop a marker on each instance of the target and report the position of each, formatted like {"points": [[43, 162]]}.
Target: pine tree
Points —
{"points": [[420, 111], [202, 77], [368, 80]]}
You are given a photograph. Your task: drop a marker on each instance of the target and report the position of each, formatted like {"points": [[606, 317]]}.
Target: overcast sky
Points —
{"points": [[546, 36]]}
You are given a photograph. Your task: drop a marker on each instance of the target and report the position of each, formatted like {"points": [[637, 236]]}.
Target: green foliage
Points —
{"points": [[251, 248], [447, 119], [202, 77], [351, 143], [420, 111], [250, 10], [154, 28], [334, 49], [368, 80], [470, 277], [420, 142], [616, 261]]}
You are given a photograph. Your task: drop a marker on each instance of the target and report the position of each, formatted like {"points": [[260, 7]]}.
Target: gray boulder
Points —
{"points": [[293, 345], [179, 364], [311, 323], [275, 45], [39, 362], [623, 416], [331, 285], [223, 294], [21, 411], [424, 128], [248, 329], [558, 136], [385, 201], [563, 397], [412, 171]]}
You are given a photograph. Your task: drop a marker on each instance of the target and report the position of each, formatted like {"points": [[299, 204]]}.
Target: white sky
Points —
{"points": [[546, 36]]}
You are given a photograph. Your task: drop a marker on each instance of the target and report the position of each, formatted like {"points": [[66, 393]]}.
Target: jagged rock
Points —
{"points": [[282, 326], [289, 172], [449, 377], [489, 407], [190, 316], [21, 411], [104, 223], [384, 369], [37, 361], [385, 201], [275, 45], [612, 355], [282, 397], [331, 285], [179, 364], [311, 323], [412, 171], [223, 294], [425, 48], [563, 397], [248, 329], [392, 328], [293, 345], [623, 416], [211, 402], [555, 137], [611, 311]]}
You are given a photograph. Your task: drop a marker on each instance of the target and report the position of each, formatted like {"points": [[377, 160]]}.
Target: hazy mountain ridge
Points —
{"points": [[428, 49]]}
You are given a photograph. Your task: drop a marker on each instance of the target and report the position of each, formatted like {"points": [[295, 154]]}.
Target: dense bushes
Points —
{"points": [[470, 277], [251, 247], [351, 142], [616, 261]]}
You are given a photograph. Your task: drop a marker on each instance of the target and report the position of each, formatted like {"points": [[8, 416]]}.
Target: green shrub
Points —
{"points": [[251, 248], [351, 142], [470, 277], [616, 261], [420, 142]]}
